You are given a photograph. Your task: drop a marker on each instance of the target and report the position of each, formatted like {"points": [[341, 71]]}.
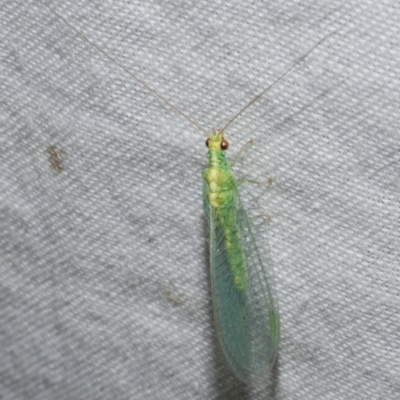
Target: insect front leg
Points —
{"points": [[268, 181], [241, 151]]}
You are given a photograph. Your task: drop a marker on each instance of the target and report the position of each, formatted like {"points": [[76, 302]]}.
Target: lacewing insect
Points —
{"points": [[244, 302], [245, 310]]}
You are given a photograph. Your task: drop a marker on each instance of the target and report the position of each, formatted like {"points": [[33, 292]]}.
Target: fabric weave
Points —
{"points": [[105, 288]]}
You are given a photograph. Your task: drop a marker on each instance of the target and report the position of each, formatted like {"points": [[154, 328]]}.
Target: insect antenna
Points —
{"points": [[122, 66], [302, 58], [162, 98]]}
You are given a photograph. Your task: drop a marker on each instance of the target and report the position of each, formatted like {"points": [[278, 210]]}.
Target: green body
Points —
{"points": [[222, 192], [245, 310]]}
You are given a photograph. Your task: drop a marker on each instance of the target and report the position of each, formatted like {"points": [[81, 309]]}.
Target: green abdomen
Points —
{"points": [[227, 215], [221, 195]]}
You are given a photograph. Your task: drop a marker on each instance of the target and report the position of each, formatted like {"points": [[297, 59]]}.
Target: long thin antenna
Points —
{"points": [[163, 99], [302, 58]]}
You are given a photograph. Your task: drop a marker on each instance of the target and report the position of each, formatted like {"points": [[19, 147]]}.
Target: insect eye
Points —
{"points": [[224, 145], [207, 142]]}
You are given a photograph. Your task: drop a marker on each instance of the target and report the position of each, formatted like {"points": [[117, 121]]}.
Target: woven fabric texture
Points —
{"points": [[105, 289]]}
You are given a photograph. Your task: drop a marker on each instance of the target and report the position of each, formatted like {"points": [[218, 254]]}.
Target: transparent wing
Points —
{"points": [[247, 322]]}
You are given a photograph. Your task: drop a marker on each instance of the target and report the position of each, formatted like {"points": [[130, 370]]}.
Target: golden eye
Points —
{"points": [[207, 142], [224, 145]]}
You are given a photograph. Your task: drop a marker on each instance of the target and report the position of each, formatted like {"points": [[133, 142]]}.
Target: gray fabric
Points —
{"points": [[104, 279]]}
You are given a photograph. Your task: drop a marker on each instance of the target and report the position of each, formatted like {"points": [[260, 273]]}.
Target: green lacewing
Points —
{"points": [[244, 302], [245, 309]]}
